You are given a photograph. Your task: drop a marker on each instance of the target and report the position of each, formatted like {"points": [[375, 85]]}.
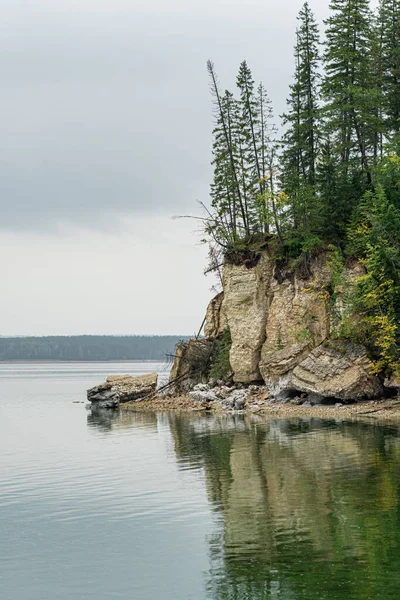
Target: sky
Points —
{"points": [[106, 122]]}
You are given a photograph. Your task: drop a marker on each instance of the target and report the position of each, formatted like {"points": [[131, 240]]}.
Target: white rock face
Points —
{"points": [[245, 308]]}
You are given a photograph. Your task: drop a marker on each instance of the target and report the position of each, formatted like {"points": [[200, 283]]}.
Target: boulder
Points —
{"points": [[102, 396], [236, 400], [201, 387], [118, 389], [337, 370], [203, 396]]}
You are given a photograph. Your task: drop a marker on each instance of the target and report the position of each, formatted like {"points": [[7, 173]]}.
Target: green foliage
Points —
{"points": [[387, 174], [304, 335], [221, 367], [243, 159], [374, 237]]}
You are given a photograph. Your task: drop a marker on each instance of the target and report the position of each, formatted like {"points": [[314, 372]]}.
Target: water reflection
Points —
{"points": [[106, 420], [310, 509]]}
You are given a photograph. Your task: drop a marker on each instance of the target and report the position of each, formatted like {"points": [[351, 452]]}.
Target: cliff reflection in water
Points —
{"points": [[309, 509]]}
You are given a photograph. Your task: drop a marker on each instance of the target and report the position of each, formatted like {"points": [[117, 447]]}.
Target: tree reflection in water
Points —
{"points": [[308, 509]]}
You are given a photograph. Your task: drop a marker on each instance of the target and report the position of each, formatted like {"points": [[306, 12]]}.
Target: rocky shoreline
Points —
{"points": [[271, 342], [388, 410], [140, 394]]}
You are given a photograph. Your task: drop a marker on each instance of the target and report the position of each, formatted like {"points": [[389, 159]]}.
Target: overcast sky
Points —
{"points": [[105, 135]]}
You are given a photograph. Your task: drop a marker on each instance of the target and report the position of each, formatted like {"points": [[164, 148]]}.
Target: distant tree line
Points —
{"points": [[332, 178], [88, 347]]}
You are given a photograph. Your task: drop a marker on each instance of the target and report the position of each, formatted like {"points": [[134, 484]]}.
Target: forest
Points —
{"points": [[329, 177], [89, 347]]}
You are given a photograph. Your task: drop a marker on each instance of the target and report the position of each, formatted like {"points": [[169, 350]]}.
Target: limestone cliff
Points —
{"points": [[281, 320]]}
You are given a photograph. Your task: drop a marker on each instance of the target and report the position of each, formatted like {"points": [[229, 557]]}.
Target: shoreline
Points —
{"points": [[376, 410]]}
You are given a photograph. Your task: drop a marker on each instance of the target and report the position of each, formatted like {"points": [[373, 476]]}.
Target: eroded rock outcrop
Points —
{"points": [[280, 322], [118, 389]]}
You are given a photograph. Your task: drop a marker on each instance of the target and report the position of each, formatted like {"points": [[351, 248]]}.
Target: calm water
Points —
{"points": [[179, 507]]}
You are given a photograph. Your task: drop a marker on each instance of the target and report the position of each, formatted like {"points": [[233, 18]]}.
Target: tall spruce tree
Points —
{"points": [[301, 138], [224, 197], [255, 137], [349, 88], [228, 202], [265, 150], [388, 41]]}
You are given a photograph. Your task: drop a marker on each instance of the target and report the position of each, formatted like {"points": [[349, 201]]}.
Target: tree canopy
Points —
{"points": [[332, 176]]}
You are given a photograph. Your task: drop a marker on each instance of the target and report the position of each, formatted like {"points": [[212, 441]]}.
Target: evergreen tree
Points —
{"points": [[388, 36], [224, 189], [255, 142], [227, 188], [349, 88], [265, 151], [302, 135], [249, 125]]}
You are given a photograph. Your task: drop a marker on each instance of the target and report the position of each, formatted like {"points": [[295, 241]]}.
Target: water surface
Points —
{"points": [[180, 506]]}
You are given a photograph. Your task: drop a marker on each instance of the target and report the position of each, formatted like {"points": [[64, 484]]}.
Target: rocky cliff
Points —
{"points": [[281, 321]]}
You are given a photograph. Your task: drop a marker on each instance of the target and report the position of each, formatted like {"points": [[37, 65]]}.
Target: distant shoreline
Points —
{"points": [[55, 361], [88, 348]]}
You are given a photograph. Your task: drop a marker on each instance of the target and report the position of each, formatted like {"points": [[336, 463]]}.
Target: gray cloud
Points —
{"points": [[105, 106]]}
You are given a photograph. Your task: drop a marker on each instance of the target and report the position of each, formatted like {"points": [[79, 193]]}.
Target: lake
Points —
{"points": [[169, 506]]}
